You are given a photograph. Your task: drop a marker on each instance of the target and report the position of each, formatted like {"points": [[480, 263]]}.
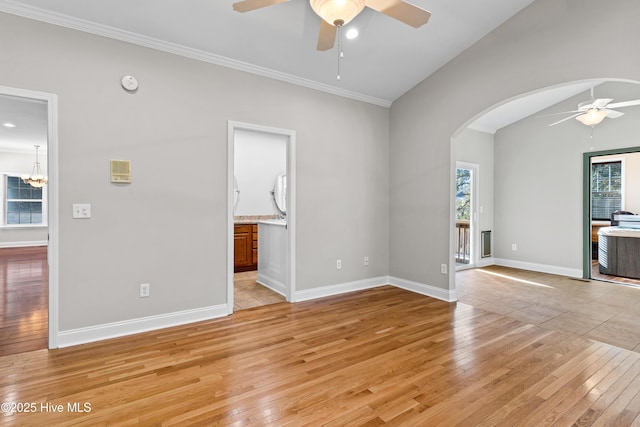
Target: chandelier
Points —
{"points": [[36, 178]]}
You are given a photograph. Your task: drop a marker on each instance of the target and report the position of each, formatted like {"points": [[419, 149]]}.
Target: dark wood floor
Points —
{"points": [[25, 298], [596, 275]]}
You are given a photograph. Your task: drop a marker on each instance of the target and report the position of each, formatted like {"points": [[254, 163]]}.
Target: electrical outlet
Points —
{"points": [[339, 264], [443, 268], [514, 247], [366, 260], [144, 290]]}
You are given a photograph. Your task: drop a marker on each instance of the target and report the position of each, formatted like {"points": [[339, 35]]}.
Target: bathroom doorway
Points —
{"points": [[261, 216]]}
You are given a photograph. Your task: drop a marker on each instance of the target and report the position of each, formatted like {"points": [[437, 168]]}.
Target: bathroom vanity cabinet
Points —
{"points": [[245, 247], [272, 255]]}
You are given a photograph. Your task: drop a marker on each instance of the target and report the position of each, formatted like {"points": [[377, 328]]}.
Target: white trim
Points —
{"points": [[424, 289], [474, 233], [272, 284], [38, 14], [290, 293], [341, 288], [23, 244], [52, 198], [542, 268], [150, 323], [135, 326], [485, 262]]}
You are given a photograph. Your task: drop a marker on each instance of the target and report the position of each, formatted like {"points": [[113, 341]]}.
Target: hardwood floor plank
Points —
{"points": [[24, 293], [384, 356]]}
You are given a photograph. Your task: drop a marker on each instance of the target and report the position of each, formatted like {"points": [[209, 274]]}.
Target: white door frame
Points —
{"points": [[474, 232], [291, 204], [52, 196]]}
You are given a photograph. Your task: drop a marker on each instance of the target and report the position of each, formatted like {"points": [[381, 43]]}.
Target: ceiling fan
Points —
{"points": [[594, 111], [336, 13]]}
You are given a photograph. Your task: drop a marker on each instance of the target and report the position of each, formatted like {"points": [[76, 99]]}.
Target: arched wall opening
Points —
{"points": [[535, 206]]}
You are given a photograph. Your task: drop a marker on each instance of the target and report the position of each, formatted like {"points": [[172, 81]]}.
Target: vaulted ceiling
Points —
{"points": [[386, 60]]}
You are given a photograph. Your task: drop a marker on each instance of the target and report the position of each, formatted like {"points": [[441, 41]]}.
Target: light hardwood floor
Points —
{"points": [[382, 356], [602, 311], [521, 348]]}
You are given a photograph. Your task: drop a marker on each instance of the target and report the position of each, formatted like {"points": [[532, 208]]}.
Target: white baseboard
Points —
{"points": [[423, 289], [542, 268], [485, 262], [128, 327], [272, 284], [134, 326], [23, 244], [340, 288]]}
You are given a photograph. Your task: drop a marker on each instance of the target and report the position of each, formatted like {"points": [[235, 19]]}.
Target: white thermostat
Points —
{"points": [[129, 83]]}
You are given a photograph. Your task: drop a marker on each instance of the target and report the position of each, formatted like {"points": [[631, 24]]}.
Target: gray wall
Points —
{"points": [[472, 146], [538, 175], [174, 131], [544, 45]]}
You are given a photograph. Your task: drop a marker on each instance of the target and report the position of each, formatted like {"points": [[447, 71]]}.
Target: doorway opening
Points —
{"points": [[465, 215], [28, 245], [261, 216], [612, 224]]}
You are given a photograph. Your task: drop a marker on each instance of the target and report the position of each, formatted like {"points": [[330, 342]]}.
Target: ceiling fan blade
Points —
{"points": [[327, 36], [401, 10], [557, 114], [624, 104], [613, 114], [566, 118], [600, 103], [249, 5]]}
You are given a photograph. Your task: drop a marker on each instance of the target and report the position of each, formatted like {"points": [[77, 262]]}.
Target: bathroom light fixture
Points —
{"points": [[592, 117], [36, 179]]}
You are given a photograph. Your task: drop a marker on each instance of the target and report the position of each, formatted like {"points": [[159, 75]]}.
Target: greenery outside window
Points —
{"points": [[24, 204], [463, 194], [606, 189]]}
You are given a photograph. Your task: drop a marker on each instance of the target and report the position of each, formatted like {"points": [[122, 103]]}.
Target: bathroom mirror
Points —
{"points": [[279, 193]]}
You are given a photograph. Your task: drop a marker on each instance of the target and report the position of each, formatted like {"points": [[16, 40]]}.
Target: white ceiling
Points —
{"points": [[385, 61], [30, 120]]}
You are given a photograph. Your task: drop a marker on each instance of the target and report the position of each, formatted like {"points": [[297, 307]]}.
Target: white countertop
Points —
{"points": [[279, 222]]}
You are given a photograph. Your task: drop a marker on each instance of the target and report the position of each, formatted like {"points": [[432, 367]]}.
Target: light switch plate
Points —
{"points": [[81, 210]]}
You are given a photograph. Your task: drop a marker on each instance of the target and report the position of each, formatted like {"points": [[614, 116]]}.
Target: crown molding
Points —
{"points": [[61, 20]]}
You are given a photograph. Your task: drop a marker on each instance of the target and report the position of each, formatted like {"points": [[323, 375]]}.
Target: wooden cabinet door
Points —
{"points": [[243, 246]]}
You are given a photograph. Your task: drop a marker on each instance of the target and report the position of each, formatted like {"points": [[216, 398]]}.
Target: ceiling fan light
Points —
{"points": [[337, 12], [592, 117]]}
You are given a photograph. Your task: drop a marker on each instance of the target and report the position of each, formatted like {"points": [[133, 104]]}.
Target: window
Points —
{"points": [[606, 189], [463, 194], [24, 203]]}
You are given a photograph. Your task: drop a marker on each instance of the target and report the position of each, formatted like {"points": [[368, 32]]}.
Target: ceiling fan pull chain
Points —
{"points": [[340, 54]]}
